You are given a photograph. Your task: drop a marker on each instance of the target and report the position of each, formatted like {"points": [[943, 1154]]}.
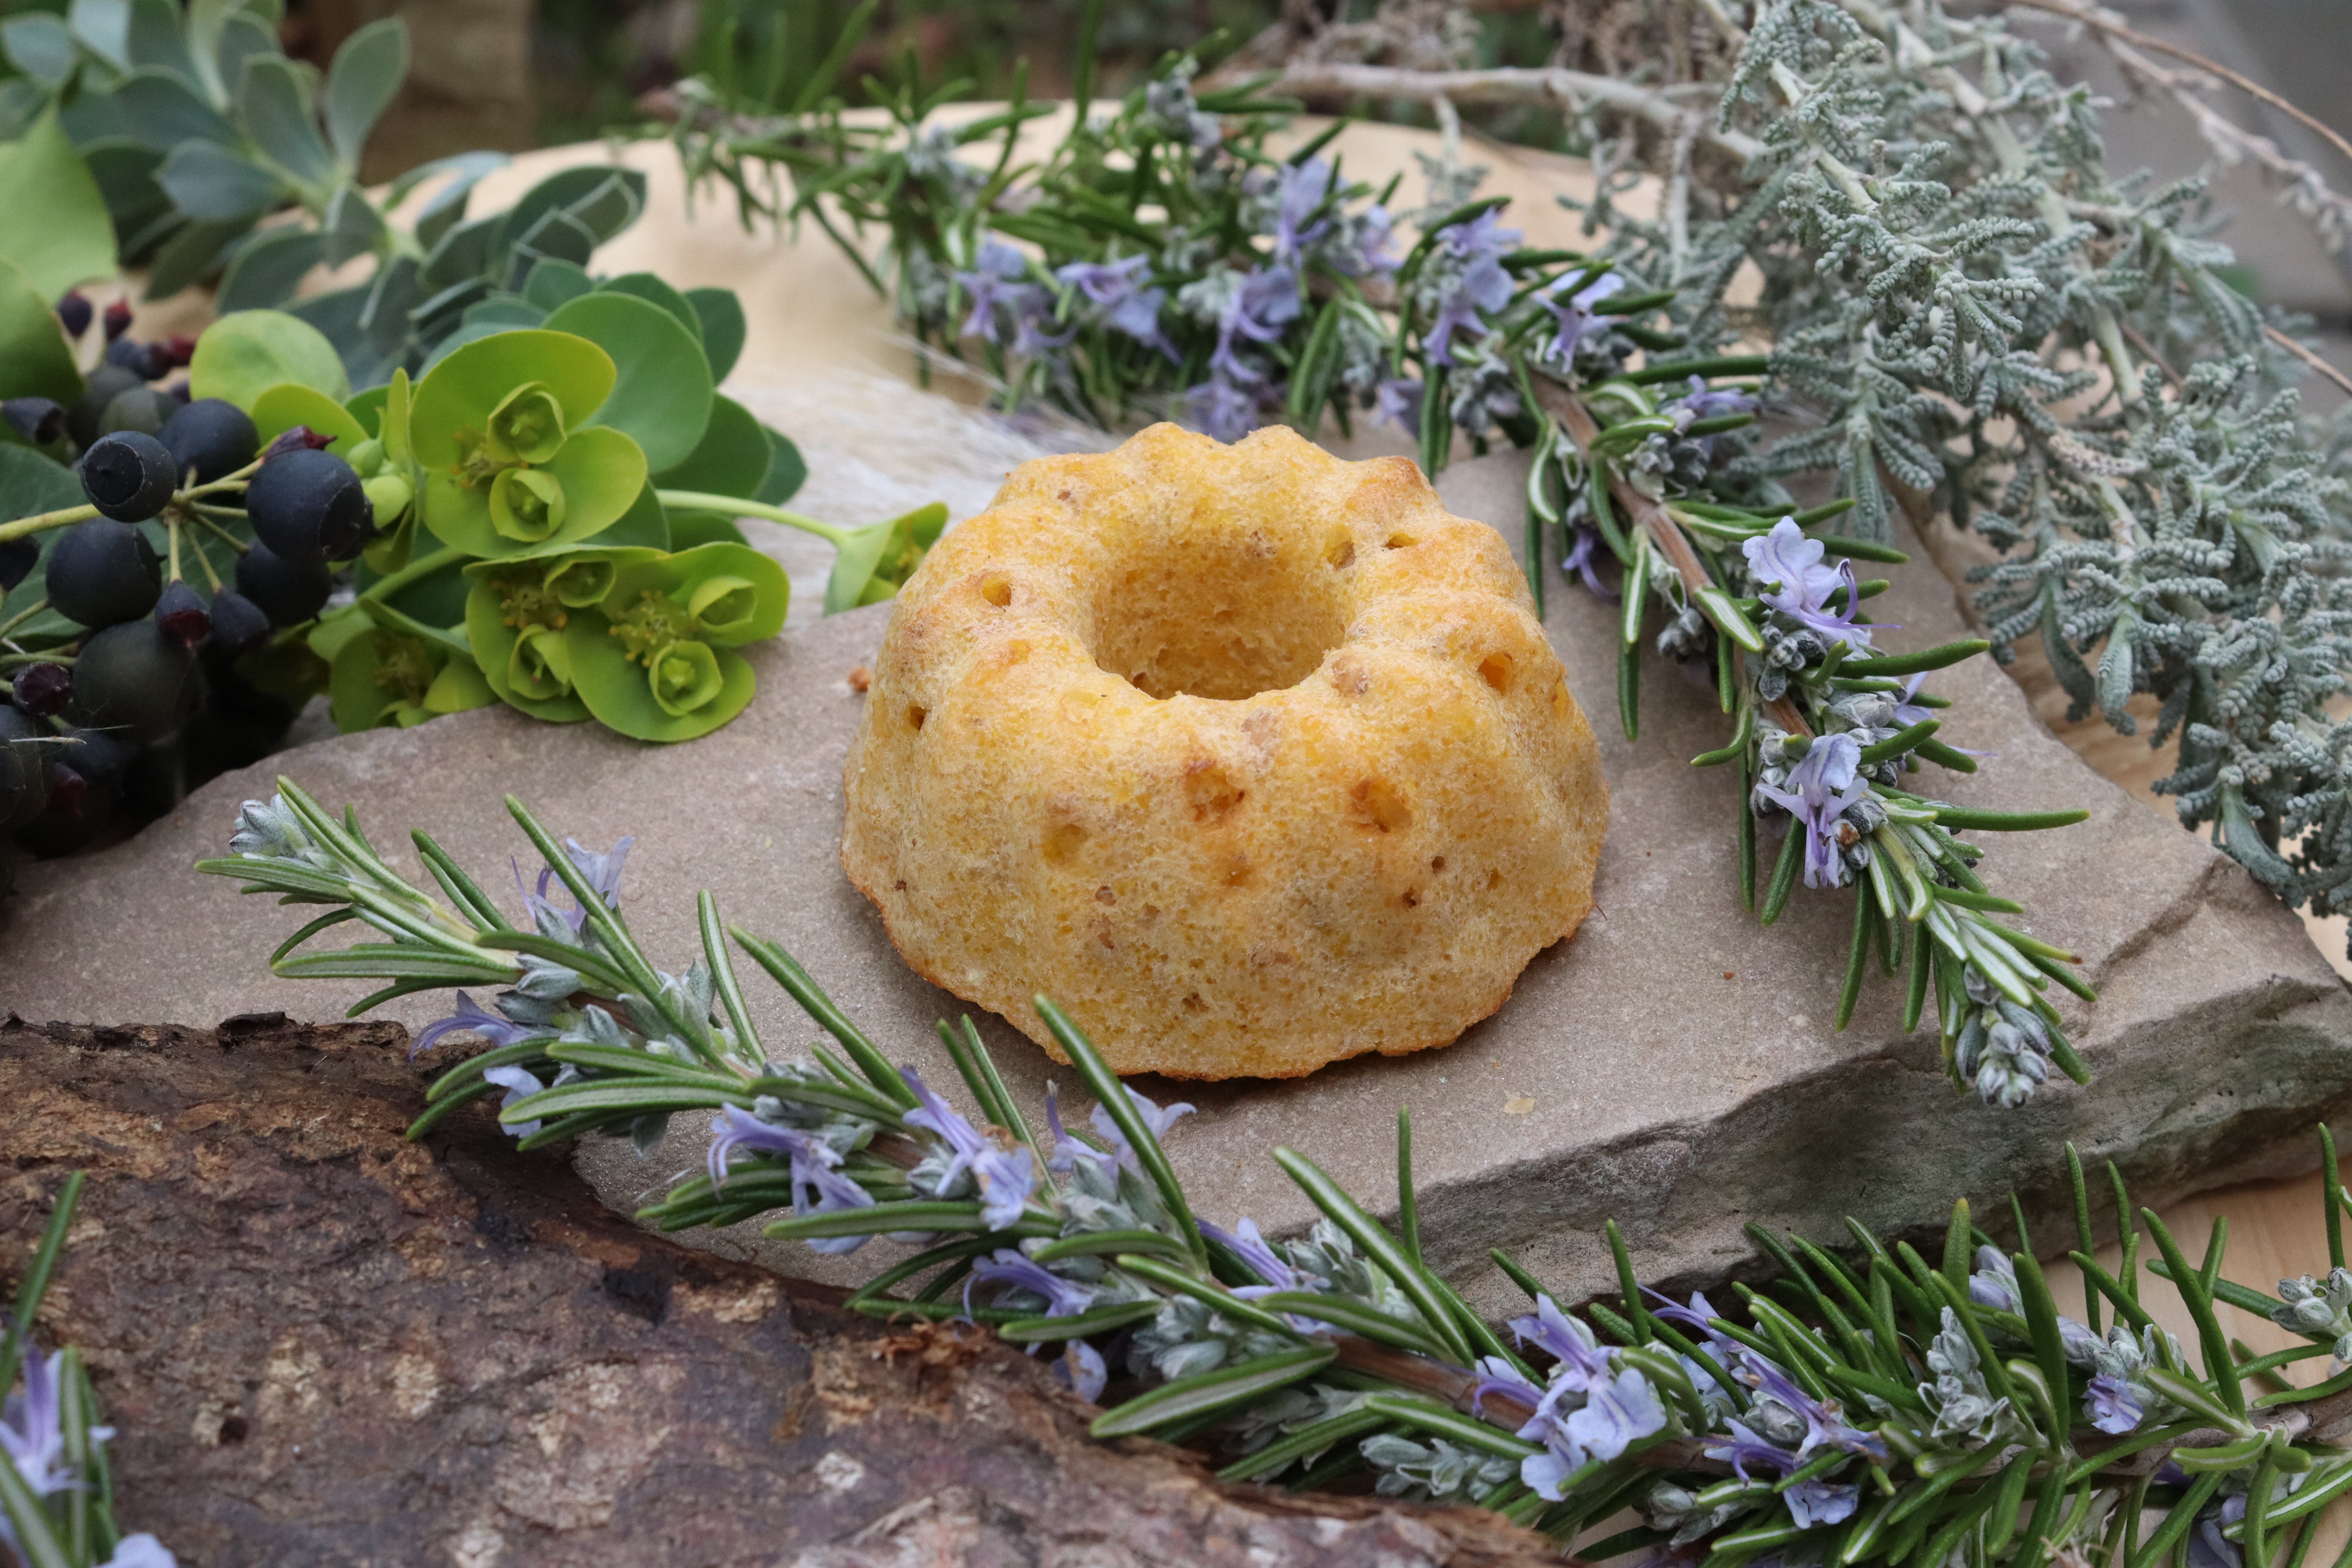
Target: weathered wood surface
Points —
{"points": [[324, 1346]]}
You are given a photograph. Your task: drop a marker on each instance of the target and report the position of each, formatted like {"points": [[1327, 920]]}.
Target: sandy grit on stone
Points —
{"points": [[1252, 759]]}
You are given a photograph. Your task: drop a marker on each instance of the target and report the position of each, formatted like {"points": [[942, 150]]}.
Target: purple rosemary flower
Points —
{"points": [[2207, 1547], [2113, 1405], [1788, 570], [1217, 407], [1244, 1242], [814, 1168], [1012, 1269], [1068, 1151], [471, 1019], [1825, 1427], [1583, 547], [1080, 1366], [2081, 1345], [1155, 1120], [1256, 310], [1569, 1342], [1574, 316], [1821, 787], [1699, 1318], [1743, 1447], [1298, 197], [602, 871], [1005, 1177], [1483, 285], [520, 1084], [1397, 401], [1499, 1376], [1128, 309], [1820, 1502], [1994, 1283], [1616, 1412], [1704, 402], [32, 1426], [995, 279], [141, 1551]]}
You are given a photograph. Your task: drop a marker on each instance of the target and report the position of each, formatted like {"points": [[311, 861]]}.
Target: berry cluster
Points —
{"points": [[139, 695]]}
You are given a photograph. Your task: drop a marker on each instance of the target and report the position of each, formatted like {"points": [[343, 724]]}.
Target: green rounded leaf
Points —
{"points": [[652, 290], [600, 473], [723, 327], [35, 361], [620, 695], [662, 399], [284, 407], [58, 230], [732, 459], [243, 355], [459, 394]]}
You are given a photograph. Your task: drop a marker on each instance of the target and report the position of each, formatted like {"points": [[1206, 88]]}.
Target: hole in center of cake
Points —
{"points": [[1221, 608]]}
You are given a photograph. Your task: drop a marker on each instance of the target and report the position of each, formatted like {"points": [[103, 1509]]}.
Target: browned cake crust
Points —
{"points": [[1250, 758]]}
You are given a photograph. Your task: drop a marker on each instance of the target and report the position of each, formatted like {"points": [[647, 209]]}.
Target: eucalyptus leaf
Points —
{"points": [[268, 268], [352, 225], [244, 39], [152, 40], [59, 232], [552, 283], [243, 355], [193, 252], [40, 45], [273, 107], [159, 111], [366, 73], [208, 181], [104, 28], [662, 399]]}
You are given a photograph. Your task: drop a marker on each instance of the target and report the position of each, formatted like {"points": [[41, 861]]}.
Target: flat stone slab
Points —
{"points": [[1673, 1067]]}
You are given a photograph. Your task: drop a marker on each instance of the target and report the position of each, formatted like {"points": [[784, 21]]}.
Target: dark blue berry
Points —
{"points": [[238, 624], [135, 683], [213, 436], [74, 314], [182, 615], [39, 420], [287, 592], [128, 476], [309, 506], [102, 571]]}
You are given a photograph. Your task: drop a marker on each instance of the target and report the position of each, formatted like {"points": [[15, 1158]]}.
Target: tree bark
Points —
{"points": [[323, 1345]]}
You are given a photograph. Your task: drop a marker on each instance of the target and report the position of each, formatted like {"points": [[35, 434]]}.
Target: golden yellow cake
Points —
{"points": [[1250, 758]]}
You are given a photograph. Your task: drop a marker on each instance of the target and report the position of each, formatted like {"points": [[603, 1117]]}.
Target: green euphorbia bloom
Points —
{"points": [[517, 617], [658, 661], [495, 430], [388, 677]]}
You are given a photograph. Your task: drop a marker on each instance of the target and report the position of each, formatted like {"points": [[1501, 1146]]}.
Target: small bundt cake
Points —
{"points": [[1250, 758]]}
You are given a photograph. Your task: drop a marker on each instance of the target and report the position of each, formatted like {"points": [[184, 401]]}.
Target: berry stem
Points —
{"points": [[225, 482], [172, 537], [203, 560], [18, 661], [231, 540], [41, 521], [736, 506], [21, 616]]}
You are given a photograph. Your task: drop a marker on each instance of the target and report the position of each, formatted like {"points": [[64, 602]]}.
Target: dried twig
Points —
{"points": [[1554, 88]]}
